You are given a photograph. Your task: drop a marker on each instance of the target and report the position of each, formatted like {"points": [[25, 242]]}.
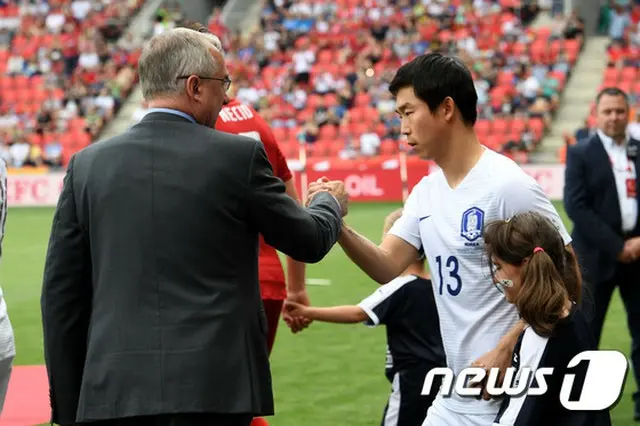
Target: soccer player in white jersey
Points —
{"points": [[444, 216]]}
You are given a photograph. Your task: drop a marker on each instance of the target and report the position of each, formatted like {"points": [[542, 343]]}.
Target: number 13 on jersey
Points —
{"points": [[450, 275]]}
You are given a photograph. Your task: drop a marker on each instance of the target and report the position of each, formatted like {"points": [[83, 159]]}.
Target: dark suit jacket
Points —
{"points": [[151, 302], [591, 201]]}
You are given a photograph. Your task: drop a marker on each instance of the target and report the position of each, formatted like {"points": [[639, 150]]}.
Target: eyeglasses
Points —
{"points": [[226, 82]]}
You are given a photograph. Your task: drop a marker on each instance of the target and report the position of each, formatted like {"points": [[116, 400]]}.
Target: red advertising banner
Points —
{"points": [[368, 181], [381, 181], [372, 180]]}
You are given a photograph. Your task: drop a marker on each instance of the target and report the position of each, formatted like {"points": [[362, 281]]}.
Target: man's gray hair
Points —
{"points": [[215, 41], [176, 53]]}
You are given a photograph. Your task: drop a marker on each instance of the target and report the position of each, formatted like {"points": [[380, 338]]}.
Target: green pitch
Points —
{"points": [[326, 375]]}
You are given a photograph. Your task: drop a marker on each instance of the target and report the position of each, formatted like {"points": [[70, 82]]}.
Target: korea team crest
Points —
{"points": [[472, 224]]}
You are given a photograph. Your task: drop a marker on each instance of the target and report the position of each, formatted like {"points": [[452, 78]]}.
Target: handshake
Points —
{"points": [[333, 187], [296, 314]]}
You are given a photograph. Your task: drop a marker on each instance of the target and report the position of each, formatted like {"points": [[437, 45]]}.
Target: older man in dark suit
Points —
{"points": [[151, 305], [601, 198]]}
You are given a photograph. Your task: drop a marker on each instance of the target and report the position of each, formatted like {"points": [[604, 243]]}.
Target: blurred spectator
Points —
{"points": [[19, 150], [163, 22], [584, 132], [619, 21], [369, 143], [634, 127], [574, 27]]}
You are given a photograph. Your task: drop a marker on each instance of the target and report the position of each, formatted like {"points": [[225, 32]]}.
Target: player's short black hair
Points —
{"points": [[193, 25], [435, 77], [612, 91]]}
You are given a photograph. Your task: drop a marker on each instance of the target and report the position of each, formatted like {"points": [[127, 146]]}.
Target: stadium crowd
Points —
{"points": [[319, 71], [66, 68]]}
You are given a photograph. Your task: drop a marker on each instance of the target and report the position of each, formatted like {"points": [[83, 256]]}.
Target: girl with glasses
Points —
{"points": [[532, 267]]}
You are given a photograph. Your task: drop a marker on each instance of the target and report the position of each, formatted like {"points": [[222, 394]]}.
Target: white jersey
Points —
{"points": [[448, 225], [7, 344]]}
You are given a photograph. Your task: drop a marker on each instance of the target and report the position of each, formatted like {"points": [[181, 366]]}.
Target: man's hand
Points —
{"points": [[631, 250], [292, 317], [316, 187], [500, 357], [335, 188]]}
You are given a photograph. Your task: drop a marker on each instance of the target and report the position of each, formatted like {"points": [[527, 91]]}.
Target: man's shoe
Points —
{"points": [[259, 421]]}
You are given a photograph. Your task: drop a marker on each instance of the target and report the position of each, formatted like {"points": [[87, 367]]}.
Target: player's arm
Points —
{"points": [[382, 263], [509, 340], [399, 247], [576, 196], [500, 356], [66, 305]]}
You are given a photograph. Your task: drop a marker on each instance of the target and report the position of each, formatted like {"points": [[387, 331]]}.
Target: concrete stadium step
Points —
{"points": [[141, 26], [124, 119], [242, 15], [580, 92]]}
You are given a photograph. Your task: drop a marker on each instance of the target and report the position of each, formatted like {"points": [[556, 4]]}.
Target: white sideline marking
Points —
{"points": [[318, 281]]}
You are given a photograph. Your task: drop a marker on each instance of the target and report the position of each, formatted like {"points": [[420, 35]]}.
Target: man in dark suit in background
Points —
{"points": [[151, 306], [601, 198]]}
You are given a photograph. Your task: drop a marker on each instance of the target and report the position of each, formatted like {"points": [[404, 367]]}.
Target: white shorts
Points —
{"points": [[439, 415], [6, 366]]}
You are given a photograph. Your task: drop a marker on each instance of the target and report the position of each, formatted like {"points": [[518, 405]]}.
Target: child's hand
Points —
{"points": [[294, 309]]}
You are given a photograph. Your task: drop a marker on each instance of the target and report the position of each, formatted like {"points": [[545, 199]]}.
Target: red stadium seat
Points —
{"points": [[362, 100], [500, 126], [357, 114], [611, 74], [280, 134], [537, 127], [483, 126], [357, 129], [328, 131], [389, 147], [629, 74], [325, 56], [518, 125]]}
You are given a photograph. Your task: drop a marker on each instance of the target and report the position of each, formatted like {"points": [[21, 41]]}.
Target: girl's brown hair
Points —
{"points": [[551, 275]]}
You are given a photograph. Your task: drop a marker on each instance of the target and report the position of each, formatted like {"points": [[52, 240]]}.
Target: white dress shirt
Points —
{"points": [[623, 169]]}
